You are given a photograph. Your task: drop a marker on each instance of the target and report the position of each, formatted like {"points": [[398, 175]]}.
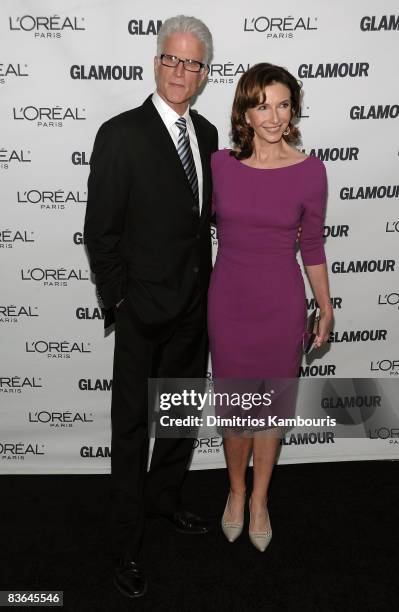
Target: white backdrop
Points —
{"points": [[56, 364]]}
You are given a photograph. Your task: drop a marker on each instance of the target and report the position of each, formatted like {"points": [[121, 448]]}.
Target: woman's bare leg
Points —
{"points": [[264, 455], [237, 451]]}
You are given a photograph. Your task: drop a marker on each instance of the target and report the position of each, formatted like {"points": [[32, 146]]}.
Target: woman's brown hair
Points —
{"points": [[249, 93]]}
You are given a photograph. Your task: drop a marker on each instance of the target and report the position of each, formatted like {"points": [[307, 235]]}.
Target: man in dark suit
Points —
{"points": [[147, 231]]}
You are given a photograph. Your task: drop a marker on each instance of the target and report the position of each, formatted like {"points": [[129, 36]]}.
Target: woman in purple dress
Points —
{"points": [[264, 190]]}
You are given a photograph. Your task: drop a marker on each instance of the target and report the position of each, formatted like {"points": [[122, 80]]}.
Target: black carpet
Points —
{"points": [[335, 544]]}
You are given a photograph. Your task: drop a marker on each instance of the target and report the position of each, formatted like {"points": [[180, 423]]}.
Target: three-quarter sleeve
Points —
{"points": [[312, 221]]}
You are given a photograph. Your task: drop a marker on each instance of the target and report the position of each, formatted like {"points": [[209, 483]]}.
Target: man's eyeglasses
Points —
{"points": [[188, 64]]}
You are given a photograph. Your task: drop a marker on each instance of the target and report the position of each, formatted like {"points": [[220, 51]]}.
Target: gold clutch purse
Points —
{"points": [[312, 329]]}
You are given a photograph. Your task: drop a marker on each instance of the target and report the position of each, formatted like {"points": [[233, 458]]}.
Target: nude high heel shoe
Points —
{"points": [[261, 539], [231, 530]]}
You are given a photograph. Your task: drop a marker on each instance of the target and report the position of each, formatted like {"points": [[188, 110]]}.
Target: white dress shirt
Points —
{"points": [[169, 117]]}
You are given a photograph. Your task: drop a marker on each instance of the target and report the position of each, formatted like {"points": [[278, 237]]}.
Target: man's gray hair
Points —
{"points": [[192, 25]]}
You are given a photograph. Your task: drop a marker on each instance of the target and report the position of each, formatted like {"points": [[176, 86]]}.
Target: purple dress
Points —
{"points": [[257, 306]]}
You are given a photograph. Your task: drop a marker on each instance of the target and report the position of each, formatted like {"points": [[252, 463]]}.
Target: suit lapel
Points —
{"points": [[164, 145], [204, 162]]}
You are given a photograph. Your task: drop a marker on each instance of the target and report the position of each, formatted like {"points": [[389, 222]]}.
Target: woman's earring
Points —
{"points": [[287, 131]]}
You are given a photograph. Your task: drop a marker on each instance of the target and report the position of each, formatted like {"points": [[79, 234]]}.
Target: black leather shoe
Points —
{"points": [[186, 522], [129, 579]]}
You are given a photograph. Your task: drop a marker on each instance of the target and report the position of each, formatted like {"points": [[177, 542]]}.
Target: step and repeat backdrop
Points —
{"points": [[67, 67]]}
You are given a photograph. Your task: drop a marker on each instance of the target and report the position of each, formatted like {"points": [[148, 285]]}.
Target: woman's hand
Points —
{"points": [[318, 278], [325, 326]]}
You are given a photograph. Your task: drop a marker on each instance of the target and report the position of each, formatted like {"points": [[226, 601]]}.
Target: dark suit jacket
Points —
{"points": [[145, 238]]}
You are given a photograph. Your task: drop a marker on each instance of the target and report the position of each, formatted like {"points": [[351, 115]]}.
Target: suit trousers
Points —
{"points": [[174, 350]]}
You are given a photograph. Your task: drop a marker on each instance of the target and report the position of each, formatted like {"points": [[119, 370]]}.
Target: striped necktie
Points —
{"points": [[186, 156]]}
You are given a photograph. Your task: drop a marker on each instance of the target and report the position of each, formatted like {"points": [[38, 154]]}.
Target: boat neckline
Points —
{"points": [[268, 169]]}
